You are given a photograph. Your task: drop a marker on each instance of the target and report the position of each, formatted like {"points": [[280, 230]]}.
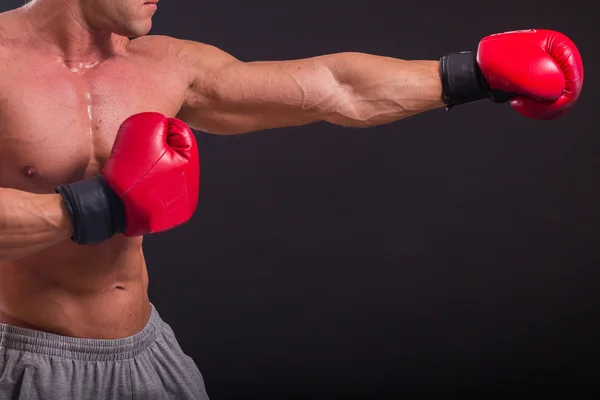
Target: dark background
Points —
{"points": [[450, 254]]}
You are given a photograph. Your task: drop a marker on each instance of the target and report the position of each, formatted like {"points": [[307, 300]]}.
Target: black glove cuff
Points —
{"points": [[96, 211], [462, 81]]}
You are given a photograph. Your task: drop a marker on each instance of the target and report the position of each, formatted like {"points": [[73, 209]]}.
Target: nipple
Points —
{"points": [[29, 171]]}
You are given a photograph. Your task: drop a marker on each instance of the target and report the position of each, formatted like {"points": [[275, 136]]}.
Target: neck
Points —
{"points": [[63, 27]]}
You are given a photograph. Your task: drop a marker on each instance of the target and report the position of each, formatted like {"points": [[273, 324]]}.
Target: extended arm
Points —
{"points": [[539, 71], [228, 96], [30, 223]]}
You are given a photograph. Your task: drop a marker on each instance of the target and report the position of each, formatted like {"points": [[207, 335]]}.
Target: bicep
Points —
{"points": [[232, 96]]}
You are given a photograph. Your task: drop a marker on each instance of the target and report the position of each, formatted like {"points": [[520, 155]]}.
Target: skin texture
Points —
{"points": [[70, 75]]}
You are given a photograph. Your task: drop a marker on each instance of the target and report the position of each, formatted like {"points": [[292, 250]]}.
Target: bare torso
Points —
{"points": [[57, 125]]}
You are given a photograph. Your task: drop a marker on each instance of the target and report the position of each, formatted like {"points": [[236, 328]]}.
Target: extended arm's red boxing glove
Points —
{"points": [[539, 71], [149, 183]]}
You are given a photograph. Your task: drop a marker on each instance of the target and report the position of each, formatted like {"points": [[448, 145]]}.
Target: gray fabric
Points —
{"points": [[149, 365]]}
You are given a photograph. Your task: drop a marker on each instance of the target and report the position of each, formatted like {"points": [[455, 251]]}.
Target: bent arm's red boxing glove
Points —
{"points": [[149, 183], [539, 71]]}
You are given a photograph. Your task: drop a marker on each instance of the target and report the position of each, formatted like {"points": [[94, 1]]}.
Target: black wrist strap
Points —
{"points": [[462, 81], [96, 211]]}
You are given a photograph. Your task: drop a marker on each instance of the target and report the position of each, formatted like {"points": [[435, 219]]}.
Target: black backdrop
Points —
{"points": [[452, 253]]}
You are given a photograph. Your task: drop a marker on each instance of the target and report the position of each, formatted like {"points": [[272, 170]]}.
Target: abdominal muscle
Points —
{"points": [[94, 291]]}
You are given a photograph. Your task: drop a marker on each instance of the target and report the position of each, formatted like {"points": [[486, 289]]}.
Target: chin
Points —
{"points": [[136, 31], [143, 31]]}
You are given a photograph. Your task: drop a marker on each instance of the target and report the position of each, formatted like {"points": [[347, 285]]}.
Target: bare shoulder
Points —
{"points": [[12, 36], [11, 24], [185, 54]]}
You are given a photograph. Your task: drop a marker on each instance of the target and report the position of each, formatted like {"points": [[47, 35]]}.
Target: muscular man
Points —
{"points": [[76, 321]]}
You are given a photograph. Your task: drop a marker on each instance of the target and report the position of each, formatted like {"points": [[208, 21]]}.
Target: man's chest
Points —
{"points": [[58, 125]]}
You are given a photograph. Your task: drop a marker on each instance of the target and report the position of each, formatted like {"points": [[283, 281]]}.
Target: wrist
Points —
{"points": [[63, 221]]}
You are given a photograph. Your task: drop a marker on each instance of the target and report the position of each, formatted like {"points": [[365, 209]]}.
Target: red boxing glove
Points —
{"points": [[149, 183], [542, 68], [154, 169], [539, 71]]}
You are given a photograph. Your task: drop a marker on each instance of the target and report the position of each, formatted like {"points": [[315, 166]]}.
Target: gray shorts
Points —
{"points": [[149, 365]]}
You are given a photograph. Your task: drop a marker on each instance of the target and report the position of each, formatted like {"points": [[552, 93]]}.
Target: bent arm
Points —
{"points": [[229, 96], [30, 223]]}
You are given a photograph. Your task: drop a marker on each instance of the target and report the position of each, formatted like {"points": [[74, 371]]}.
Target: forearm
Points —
{"points": [[378, 90], [30, 222]]}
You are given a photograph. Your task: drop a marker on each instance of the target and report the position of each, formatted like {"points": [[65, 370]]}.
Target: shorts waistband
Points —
{"points": [[37, 342]]}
